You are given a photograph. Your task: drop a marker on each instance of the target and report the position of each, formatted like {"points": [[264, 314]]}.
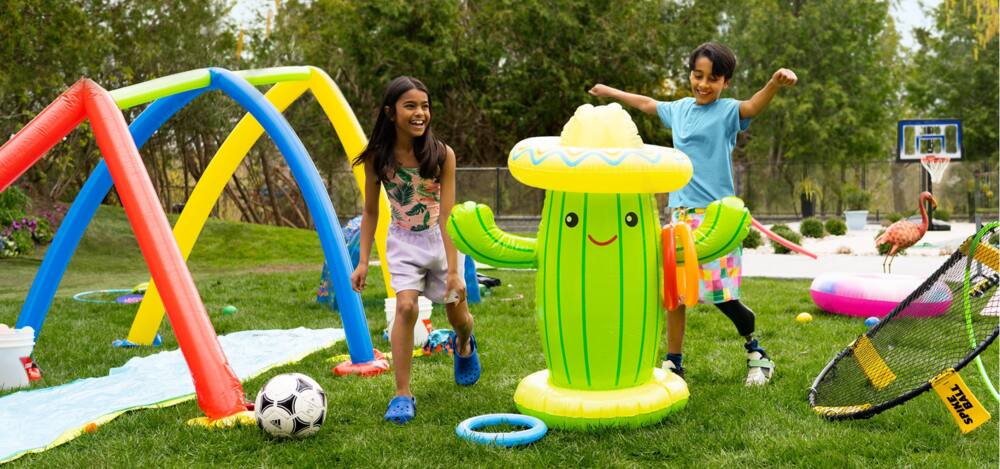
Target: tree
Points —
{"points": [[948, 79], [839, 114]]}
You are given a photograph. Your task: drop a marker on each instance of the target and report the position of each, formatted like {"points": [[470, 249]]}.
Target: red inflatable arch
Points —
{"points": [[220, 393]]}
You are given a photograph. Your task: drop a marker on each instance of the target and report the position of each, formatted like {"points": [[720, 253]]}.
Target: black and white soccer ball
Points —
{"points": [[291, 405]]}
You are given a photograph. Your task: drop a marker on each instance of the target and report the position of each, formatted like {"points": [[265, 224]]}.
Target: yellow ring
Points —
{"points": [[640, 405]]}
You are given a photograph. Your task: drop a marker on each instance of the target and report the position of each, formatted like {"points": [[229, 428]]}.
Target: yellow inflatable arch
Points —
{"points": [[294, 82]]}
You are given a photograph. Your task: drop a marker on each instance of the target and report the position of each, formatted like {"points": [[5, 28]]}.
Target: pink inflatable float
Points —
{"points": [[865, 295]]}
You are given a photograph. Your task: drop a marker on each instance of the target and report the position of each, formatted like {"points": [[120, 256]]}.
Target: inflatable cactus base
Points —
{"points": [[578, 409]]}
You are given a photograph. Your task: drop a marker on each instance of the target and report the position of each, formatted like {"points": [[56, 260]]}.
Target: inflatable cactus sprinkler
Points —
{"points": [[599, 257]]}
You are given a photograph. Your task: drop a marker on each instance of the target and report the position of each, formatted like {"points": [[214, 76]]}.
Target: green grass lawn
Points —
{"points": [[271, 275]]}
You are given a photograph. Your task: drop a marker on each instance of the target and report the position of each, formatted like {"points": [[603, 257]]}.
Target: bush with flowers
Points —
{"points": [[19, 232]]}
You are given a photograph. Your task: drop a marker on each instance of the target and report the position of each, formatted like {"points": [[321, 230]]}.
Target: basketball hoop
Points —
{"points": [[935, 166]]}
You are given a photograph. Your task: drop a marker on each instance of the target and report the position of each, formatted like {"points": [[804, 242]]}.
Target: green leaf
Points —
{"points": [[417, 209], [404, 194], [404, 175], [423, 192]]}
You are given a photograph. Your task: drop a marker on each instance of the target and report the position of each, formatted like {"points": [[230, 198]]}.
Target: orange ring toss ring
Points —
{"points": [[691, 267], [669, 267]]}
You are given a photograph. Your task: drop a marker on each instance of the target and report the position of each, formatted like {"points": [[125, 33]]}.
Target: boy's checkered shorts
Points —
{"points": [[721, 278]]}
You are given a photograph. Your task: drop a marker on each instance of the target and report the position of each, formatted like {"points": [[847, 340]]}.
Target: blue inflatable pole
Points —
{"points": [[359, 342], [471, 281]]}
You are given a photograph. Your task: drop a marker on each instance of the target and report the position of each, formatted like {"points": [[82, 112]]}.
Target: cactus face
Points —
{"points": [[598, 288]]}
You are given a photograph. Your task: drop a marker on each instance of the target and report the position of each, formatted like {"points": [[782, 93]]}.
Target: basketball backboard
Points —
{"points": [[919, 138]]}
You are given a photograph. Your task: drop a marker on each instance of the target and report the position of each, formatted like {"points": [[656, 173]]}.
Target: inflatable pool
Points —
{"points": [[865, 295]]}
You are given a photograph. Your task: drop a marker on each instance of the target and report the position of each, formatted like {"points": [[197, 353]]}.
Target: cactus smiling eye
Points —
{"points": [[631, 219], [572, 219]]}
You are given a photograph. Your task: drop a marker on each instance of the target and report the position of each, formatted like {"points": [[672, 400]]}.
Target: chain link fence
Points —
{"points": [[773, 193]]}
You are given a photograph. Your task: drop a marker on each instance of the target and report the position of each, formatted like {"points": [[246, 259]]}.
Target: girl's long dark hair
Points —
{"points": [[430, 151]]}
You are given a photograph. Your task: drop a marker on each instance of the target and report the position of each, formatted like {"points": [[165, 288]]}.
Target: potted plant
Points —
{"points": [[856, 201], [810, 194]]}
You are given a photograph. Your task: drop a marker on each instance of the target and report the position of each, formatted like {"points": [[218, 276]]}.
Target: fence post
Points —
{"points": [[497, 191]]}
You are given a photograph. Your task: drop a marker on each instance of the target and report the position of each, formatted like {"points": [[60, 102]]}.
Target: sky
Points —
{"points": [[908, 15]]}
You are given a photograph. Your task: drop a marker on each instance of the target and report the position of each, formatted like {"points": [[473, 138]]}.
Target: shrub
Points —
{"points": [[836, 227], [752, 240], [894, 217], [884, 249], [942, 215], [21, 235], [43, 231], [22, 241], [787, 233], [7, 247], [812, 228], [856, 199], [13, 204]]}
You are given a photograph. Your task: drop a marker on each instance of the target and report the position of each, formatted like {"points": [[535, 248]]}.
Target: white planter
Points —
{"points": [[856, 219], [423, 326]]}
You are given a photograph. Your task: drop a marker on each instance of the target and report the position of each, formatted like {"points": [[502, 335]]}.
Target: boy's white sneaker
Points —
{"points": [[759, 369]]}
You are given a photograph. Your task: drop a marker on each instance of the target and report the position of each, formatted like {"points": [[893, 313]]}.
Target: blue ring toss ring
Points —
{"points": [[535, 431]]}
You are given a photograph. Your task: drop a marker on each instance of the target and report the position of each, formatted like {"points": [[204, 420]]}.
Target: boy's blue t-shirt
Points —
{"points": [[707, 135]]}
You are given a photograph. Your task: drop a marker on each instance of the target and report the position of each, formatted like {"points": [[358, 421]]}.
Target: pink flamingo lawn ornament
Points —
{"points": [[905, 233]]}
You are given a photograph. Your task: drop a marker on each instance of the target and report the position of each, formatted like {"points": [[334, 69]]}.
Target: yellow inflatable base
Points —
{"points": [[239, 419], [637, 406]]}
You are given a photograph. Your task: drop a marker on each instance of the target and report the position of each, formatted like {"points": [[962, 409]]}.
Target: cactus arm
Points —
{"points": [[475, 233], [726, 223]]}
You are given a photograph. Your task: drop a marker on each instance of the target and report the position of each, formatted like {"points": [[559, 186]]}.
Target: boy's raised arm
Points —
{"points": [[638, 101], [755, 105]]}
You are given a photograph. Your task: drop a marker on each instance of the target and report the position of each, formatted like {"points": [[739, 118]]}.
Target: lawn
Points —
{"points": [[271, 275]]}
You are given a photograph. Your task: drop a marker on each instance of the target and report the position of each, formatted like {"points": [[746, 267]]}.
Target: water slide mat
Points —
{"points": [[39, 419]]}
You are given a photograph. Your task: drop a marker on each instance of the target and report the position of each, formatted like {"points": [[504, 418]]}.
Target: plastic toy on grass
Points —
{"points": [[229, 310], [598, 288], [536, 429], [863, 295], [804, 317], [871, 322]]}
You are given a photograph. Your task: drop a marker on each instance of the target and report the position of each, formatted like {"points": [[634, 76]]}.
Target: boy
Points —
{"points": [[705, 127]]}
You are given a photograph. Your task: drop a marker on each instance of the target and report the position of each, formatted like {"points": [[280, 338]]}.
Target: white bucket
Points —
{"points": [[423, 326], [14, 344]]}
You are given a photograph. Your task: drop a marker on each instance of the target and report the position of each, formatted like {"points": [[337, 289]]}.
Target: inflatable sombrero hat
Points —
{"points": [[599, 151]]}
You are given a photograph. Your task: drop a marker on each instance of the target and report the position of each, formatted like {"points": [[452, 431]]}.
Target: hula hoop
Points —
{"points": [[535, 431], [82, 296], [968, 309]]}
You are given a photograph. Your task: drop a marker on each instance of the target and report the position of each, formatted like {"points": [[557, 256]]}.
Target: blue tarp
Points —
{"points": [[34, 420]]}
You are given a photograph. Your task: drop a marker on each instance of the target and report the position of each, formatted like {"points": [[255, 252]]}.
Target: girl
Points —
{"points": [[418, 173]]}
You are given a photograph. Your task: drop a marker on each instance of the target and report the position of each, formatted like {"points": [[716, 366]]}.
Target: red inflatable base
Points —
{"points": [[375, 367]]}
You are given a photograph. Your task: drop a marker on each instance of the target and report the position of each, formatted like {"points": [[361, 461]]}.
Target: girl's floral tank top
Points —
{"points": [[415, 202]]}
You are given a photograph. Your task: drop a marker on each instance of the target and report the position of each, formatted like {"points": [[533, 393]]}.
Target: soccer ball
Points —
{"points": [[291, 405]]}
